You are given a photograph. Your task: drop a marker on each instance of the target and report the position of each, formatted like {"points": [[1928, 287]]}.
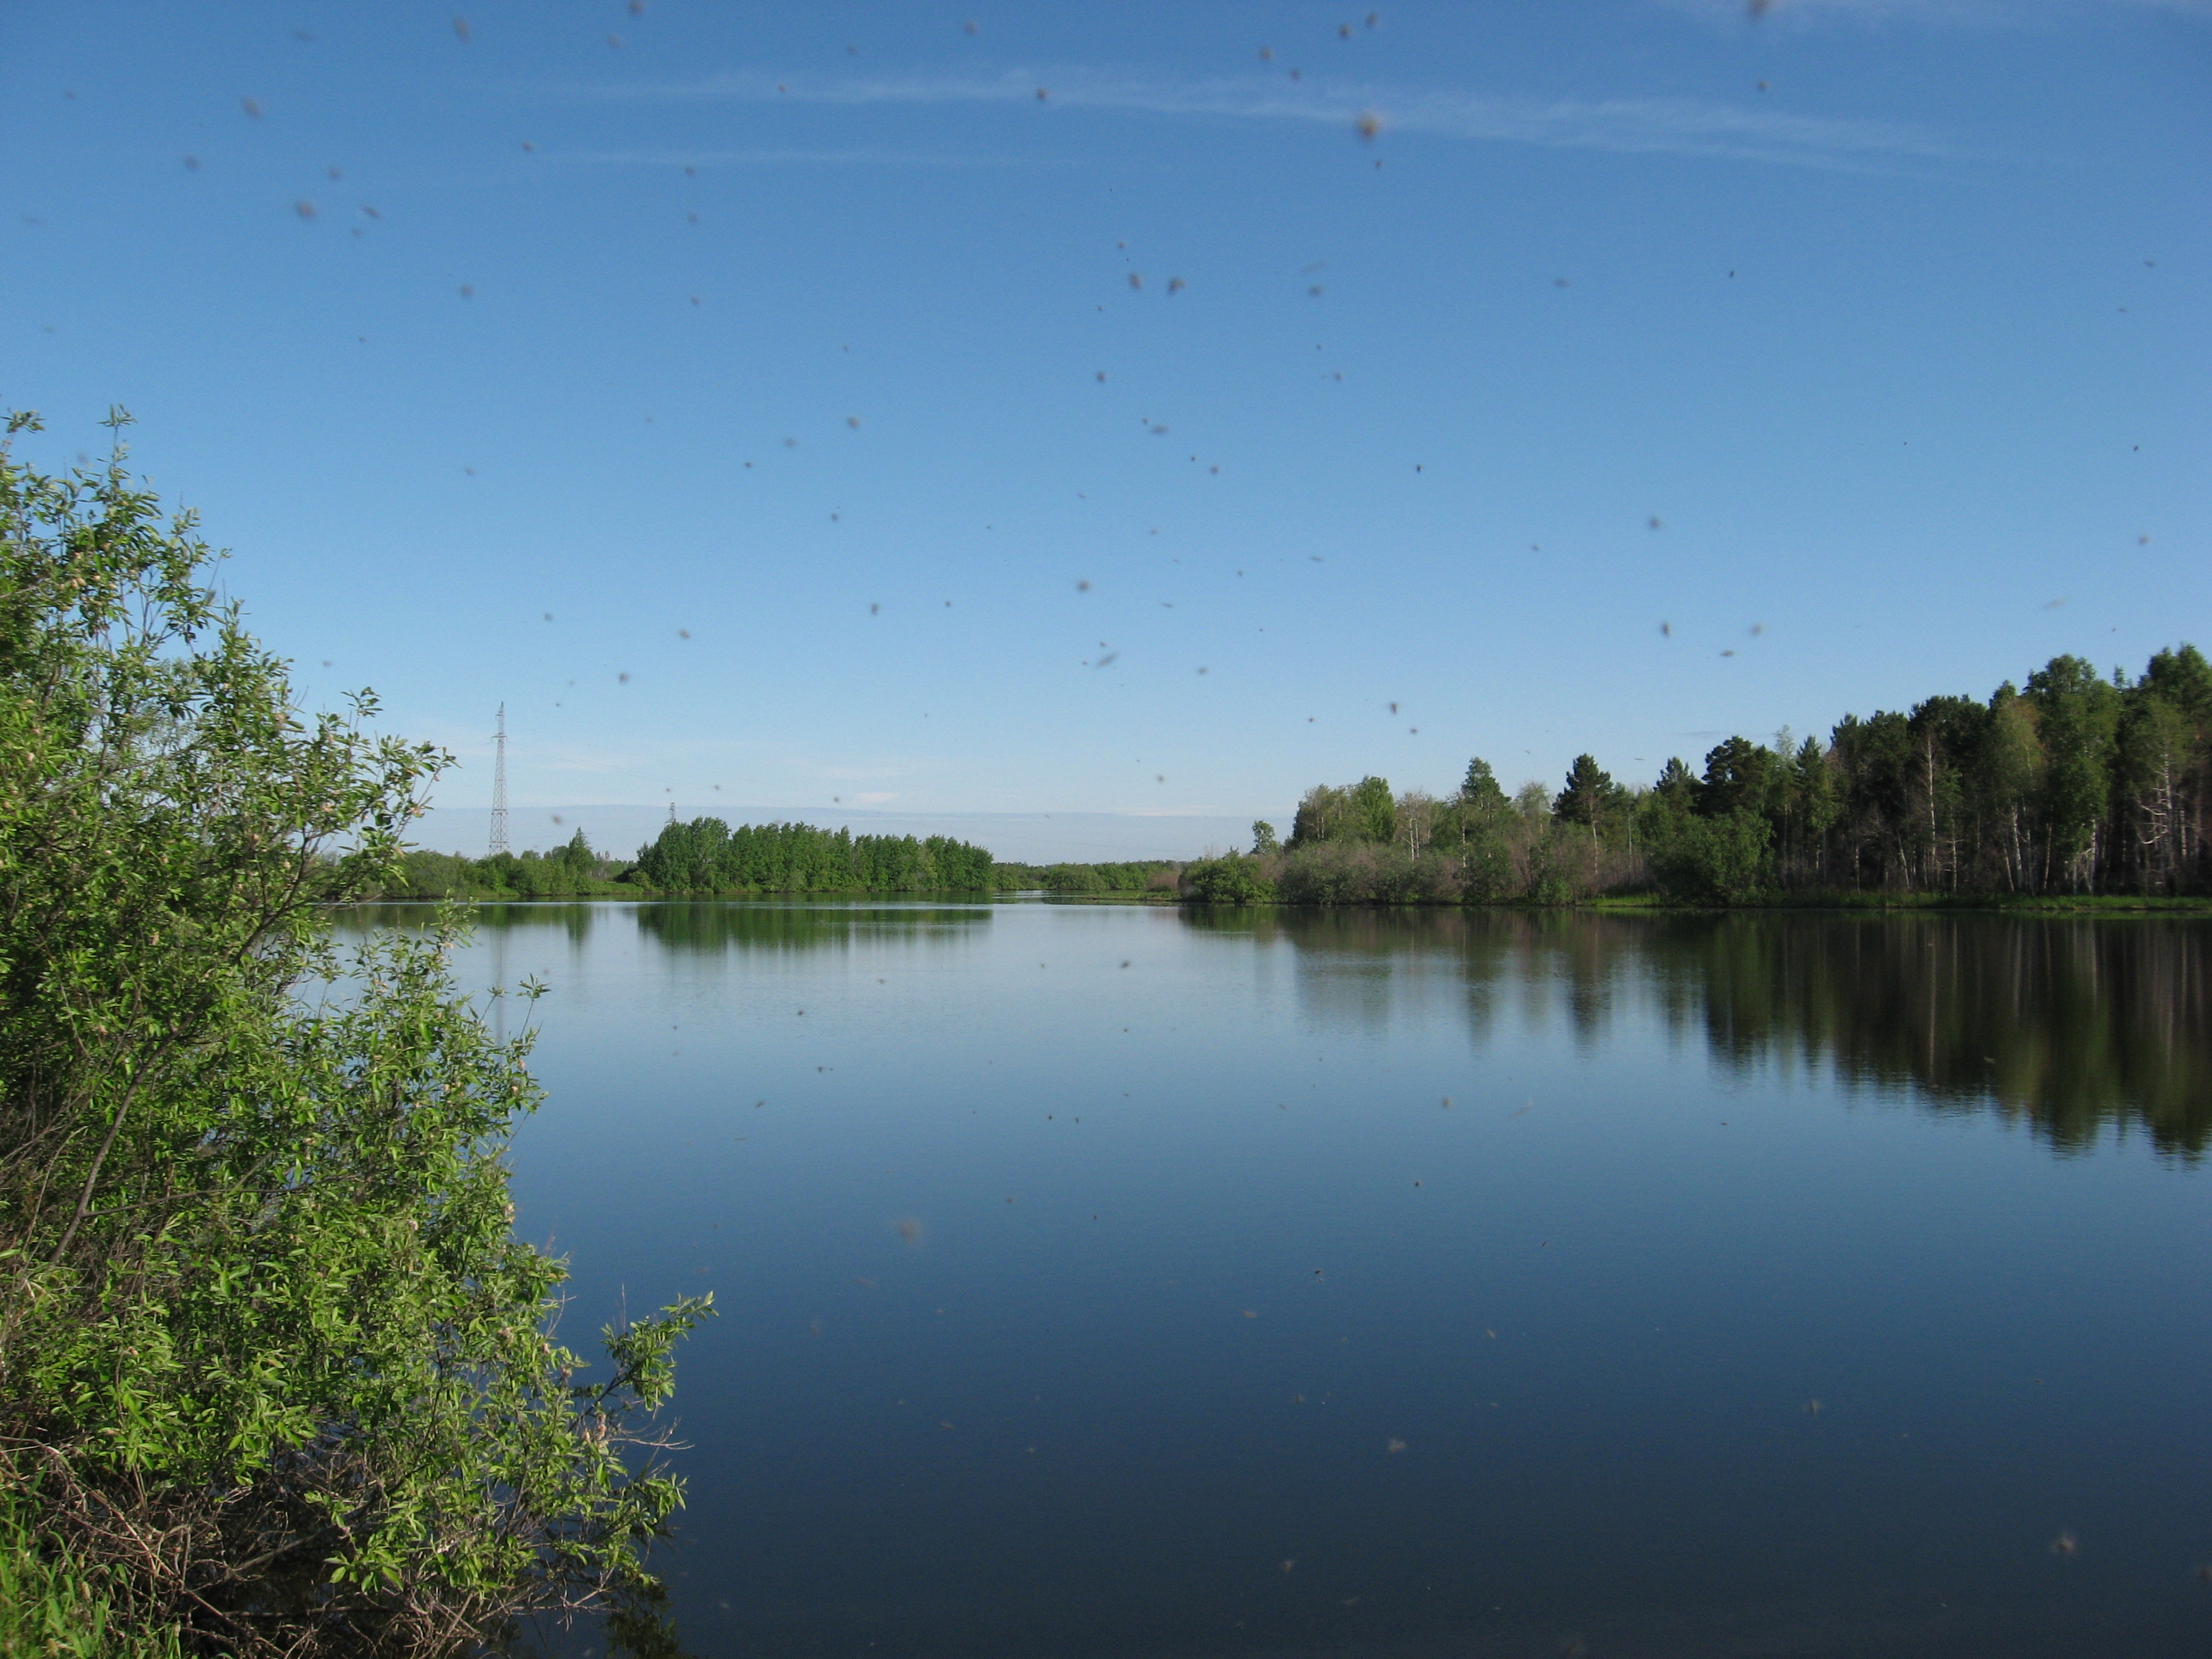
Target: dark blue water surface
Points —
{"points": [[1103, 1280]]}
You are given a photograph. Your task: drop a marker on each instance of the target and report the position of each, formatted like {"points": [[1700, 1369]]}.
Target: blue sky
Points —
{"points": [[784, 330]]}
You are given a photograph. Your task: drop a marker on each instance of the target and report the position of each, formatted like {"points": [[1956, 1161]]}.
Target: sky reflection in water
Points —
{"points": [[1102, 1280]]}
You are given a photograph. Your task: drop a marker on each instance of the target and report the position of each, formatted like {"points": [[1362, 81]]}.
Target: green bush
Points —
{"points": [[1718, 860], [1338, 872], [1328, 873], [1236, 879], [273, 1368], [572, 871], [1075, 878], [1553, 888]]}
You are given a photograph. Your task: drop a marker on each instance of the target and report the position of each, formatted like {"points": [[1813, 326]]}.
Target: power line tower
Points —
{"points": [[499, 786]]}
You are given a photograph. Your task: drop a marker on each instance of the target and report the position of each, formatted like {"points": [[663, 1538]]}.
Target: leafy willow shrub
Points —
{"points": [[1404, 877], [1236, 879], [1566, 864], [272, 1364], [1328, 873], [1366, 872], [1486, 869]]}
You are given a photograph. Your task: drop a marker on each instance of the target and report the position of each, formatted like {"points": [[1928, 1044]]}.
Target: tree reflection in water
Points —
{"points": [[802, 924], [2071, 1025], [710, 926]]}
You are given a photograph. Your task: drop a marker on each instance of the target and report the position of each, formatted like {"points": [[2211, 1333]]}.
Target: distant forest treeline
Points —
{"points": [[575, 871], [706, 856], [767, 858], [2077, 784]]}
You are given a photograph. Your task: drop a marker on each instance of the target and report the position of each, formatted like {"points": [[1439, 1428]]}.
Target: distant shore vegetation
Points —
{"points": [[706, 857], [2076, 787], [1154, 876], [571, 871], [779, 858]]}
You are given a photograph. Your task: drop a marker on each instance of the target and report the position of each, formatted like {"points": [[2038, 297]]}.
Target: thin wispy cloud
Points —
{"points": [[1670, 125], [868, 156], [1790, 16], [1940, 13]]}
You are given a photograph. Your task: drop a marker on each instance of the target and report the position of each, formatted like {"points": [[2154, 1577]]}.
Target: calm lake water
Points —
{"points": [[1108, 1280]]}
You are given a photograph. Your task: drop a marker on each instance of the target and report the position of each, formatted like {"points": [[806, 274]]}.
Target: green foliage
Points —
{"points": [[1739, 777], [2078, 719], [1718, 860], [1476, 845], [2165, 737], [572, 871], [272, 1366], [1375, 812], [1323, 815], [1361, 873], [1365, 812], [1329, 872], [1077, 879], [1553, 887], [1238, 879], [1480, 790], [1480, 830], [1677, 788], [1263, 837], [706, 856], [2079, 784], [1815, 801], [1591, 798]]}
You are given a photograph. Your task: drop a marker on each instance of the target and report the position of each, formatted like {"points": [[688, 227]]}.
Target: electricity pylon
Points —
{"points": [[499, 786]]}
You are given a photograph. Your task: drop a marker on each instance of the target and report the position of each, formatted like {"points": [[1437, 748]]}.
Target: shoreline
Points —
{"points": [[1629, 903]]}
